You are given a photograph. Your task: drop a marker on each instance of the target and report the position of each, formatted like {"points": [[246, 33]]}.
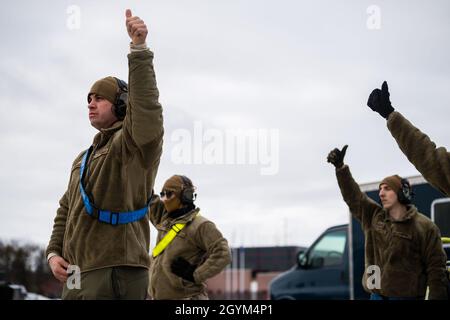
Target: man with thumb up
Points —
{"points": [[432, 162], [102, 224], [403, 244]]}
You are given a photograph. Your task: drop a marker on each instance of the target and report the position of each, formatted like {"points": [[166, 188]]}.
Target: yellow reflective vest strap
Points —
{"points": [[168, 238]]}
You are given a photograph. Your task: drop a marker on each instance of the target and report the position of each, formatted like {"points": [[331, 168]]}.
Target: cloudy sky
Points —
{"points": [[296, 73]]}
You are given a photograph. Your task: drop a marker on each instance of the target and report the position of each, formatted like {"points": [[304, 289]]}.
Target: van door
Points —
{"points": [[326, 269]]}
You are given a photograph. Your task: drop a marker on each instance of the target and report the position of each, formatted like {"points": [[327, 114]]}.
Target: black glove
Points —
{"points": [[336, 156], [379, 101], [182, 268]]}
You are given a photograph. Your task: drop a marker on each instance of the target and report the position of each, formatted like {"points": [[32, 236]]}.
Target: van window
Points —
{"points": [[329, 251]]}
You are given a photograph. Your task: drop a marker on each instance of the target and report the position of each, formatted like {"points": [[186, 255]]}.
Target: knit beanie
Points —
{"points": [[107, 88], [394, 182], [175, 184]]}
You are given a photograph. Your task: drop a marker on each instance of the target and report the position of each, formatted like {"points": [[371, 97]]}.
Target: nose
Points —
{"points": [[91, 105]]}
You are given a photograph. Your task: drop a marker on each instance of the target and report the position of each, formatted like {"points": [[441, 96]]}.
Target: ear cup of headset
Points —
{"points": [[187, 194], [405, 193], [120, 106]]}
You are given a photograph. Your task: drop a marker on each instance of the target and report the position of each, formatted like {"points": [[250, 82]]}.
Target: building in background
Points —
{"points": [[250, 272]]}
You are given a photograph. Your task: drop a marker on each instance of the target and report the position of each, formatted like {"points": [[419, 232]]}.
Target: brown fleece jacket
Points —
{"points": [[408, 252], [121, 175], [199, 242]]}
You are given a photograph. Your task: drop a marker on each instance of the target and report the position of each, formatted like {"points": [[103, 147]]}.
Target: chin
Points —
{"points": [[95, 125]]}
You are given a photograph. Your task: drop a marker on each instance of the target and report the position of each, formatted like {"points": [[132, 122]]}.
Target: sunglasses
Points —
{"points": [[166, 193]]}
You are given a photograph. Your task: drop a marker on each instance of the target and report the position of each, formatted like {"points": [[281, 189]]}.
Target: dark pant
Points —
{"points": [[376, 296], [121, 283]]}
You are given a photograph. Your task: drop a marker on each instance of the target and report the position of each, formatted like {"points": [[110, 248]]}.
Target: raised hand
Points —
{"points": [[336, 156], [136, 28], [379, 101]]}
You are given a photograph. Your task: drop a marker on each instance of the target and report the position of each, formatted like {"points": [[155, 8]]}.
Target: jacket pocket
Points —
{"points": [[402, 235], [405, 251], [402, 243], [100, 153]]}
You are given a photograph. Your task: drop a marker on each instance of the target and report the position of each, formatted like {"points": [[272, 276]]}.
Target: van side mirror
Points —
{"points": [[301, 259]]}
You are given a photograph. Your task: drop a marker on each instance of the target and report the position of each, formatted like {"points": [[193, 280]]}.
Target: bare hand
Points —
{"points": [[59, 267], [136, 28]]}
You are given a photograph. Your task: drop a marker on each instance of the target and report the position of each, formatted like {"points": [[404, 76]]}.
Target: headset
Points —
{"points": [[120, 105], [405, 194], [187, 195]]}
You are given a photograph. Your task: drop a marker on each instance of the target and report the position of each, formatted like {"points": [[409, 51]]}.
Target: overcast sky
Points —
{"points": [[298, 71]]}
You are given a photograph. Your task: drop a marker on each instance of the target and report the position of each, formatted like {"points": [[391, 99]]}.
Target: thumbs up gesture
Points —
{"points": [[379, 101], [136, 28], [336, 156]]}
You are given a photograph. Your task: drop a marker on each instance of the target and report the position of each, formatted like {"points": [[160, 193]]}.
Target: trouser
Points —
{"points": [[121, 283]]}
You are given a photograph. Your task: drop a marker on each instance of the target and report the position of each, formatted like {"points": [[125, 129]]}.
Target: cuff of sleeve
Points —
{"points": [[51, 255], [196, 277], [138, 47], [393, 116], [340, 169]]}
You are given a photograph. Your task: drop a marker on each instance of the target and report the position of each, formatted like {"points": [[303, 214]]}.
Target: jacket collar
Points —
{"points": [[168, 222], [411, 212], [104, 134], [187, 217]]}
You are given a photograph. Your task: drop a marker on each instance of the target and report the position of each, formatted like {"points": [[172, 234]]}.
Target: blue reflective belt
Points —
{"points": [[107, 216]]}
